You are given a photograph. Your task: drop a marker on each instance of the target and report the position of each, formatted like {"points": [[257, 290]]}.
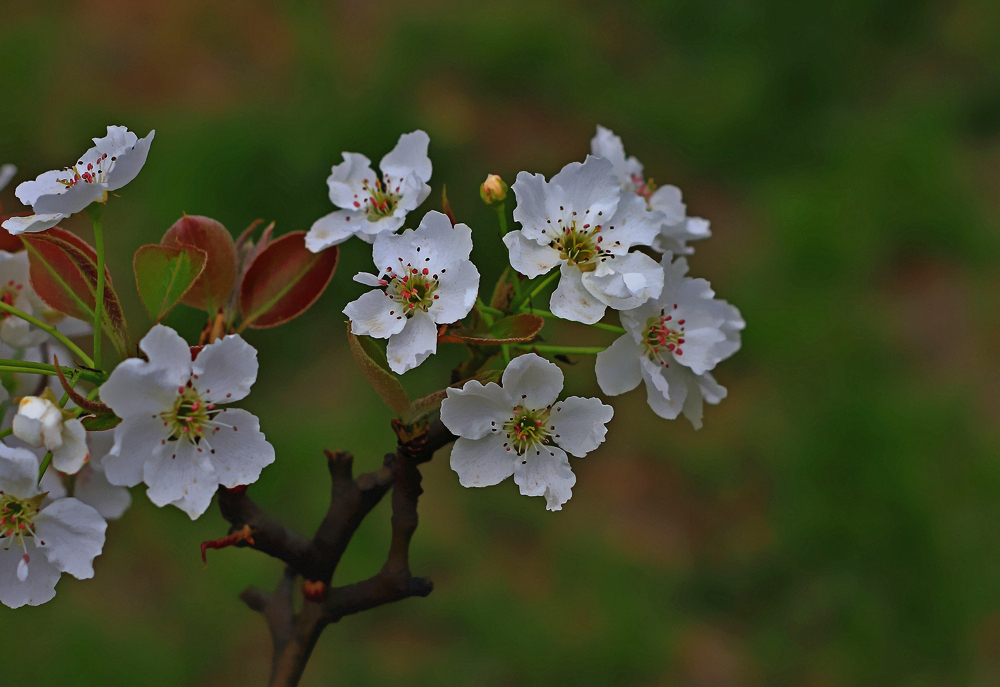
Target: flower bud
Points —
{"points": [[493, 190]]}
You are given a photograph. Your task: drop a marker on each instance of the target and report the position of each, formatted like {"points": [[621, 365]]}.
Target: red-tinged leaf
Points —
{"points": [[163, 274], [284, 280], [445, 205], [513, 329], [9, 242], [373, 365], [212, 288], [503, 292], [63, 270]]}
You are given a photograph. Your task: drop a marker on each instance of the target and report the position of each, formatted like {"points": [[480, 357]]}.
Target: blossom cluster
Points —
{"points": [[596, 236]]}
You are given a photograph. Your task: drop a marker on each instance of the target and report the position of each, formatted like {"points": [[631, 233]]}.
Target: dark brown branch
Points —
{"points": [[294, 635]]}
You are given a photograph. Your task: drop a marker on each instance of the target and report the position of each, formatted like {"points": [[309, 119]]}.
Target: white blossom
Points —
{"points": [[671, 343], [580, 222], [676, 228], [16, 291], [173, 436], [428, 280], [7, 173], [114, 161], [38, 543], [368, 205], [520, 429], [41, 423], [90, 485]]}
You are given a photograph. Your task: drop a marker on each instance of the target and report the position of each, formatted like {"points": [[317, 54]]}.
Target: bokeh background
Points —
{"points": [[837, 520]]}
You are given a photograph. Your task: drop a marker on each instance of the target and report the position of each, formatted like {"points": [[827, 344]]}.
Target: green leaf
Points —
{"points": [[514, 329], [374, 366], [100, 423], [163, 274]]}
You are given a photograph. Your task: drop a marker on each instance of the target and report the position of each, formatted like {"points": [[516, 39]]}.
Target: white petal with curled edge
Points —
{"points": [[18, 472], [667, 199], [545, 471], [579, 424], [238, 451], [136, 387], [434, 245], [368, 279], [334, 228], [572, 301], [7, 173], [456, 293], [618, 366], [482, 462], [537, 203], [370, 229], [631, 225], [476, 410], [413, 345], [33, 223], [665, 398], [592, 189], [605, 144], [529, 257], [532, 381], [138, 439], [182, 474], [624, 282], [225, 370], [130, 160], [93, 488], [38, 586], [166, 349], [375, 314], [348, 179], [71, 534], [73, 453], [409, 156]]}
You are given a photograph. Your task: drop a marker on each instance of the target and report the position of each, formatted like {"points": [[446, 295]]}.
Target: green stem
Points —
{"points": [[485, 311], [94, 209], [44, 466], [45, 369], [596, 325], [501, 210], [535, 291], [84, 358], [567, 350]]}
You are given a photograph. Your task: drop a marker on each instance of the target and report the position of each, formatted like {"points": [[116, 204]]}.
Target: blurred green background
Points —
{"points": [[836, 522]]}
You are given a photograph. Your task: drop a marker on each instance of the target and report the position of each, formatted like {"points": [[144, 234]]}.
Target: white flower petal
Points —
{"points": [[545, 472], [94, 489], [138, 388], [375, 314], [131, 154], [537, 203], [591, 188], [455, 294], [225, 370], [625, 282], [181, 474], [631, 225], [38, 587], [238, 452], [409, 156], [618, 366], [482, 462], [578, 424], [528, 256], [572, 301], [667, 199], [475, 410], [33, 223], [413, 345], [347, 180], [7, 173], [334, 228], [73, 453], [71, 534], [368, 279], [532, 381], [137, 440], [666, 398], [18, 472], [166, 349]]}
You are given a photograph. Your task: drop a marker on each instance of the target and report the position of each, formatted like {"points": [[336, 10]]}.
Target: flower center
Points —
{"points": [[16, 518], [663, 335], [527, 429], [381, 201], [190, 417], [95, 173], [577, 245], [412, 288], [643, 188]]}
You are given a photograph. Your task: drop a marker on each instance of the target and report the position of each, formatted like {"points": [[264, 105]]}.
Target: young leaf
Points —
{"points": [[503, 292], [63, 271], [373, 365], [163, 274], [513, 329], [213, 287], [284, 280]]}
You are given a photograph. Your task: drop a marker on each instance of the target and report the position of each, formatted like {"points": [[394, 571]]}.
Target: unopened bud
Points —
{"points": [[493, 190]]}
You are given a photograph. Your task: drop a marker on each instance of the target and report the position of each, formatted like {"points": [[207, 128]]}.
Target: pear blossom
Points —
{"points": [[368, 205], [114, 161], [428, 280], [676, 228], [173, 435], [41, 423], [581, 222], [90, 485], [671, 343], [518, 428], [16, 291], [39, 542], [7, 173]]}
